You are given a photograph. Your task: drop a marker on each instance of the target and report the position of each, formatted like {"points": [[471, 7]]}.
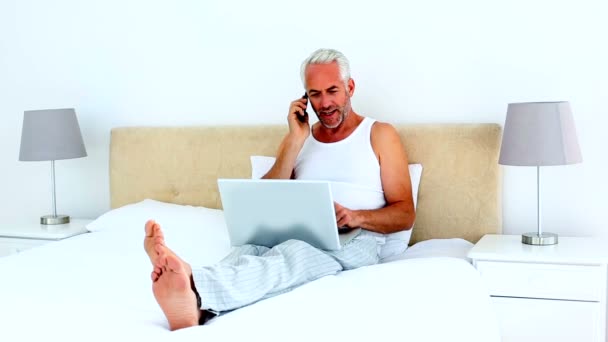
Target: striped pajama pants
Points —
{"points": [[252, 273]]}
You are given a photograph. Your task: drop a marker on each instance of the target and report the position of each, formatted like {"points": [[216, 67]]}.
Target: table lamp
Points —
{"points": [[51, 134], [539, 134]]}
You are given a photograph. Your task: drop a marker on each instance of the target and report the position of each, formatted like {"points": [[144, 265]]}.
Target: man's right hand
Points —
{"points": [[299, 130], [291, 145]]}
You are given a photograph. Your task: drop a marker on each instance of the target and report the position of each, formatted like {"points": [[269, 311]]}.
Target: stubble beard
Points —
{"points": [[342, 110]]}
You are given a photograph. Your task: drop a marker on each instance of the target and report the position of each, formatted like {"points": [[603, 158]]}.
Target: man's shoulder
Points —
{"points": [[386, 141], [383, 130]]}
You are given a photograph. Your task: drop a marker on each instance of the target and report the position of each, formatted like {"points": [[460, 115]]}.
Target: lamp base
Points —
{"points": [[51, 219], [543, 239]]}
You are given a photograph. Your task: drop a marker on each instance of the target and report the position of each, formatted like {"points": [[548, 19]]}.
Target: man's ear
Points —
{"points": [[350, 87]]}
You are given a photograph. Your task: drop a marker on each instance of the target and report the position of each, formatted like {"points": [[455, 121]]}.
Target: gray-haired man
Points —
{"points": [[342, 147]]}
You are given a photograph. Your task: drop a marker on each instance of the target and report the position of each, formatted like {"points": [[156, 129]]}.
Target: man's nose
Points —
{"points": [[326, 101]]}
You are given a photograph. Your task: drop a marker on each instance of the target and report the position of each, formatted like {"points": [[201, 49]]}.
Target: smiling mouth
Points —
{"points": [[329, 113]]}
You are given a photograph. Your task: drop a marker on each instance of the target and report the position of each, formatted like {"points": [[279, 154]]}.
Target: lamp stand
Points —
{"points": [[54, 219], [539, 238]]}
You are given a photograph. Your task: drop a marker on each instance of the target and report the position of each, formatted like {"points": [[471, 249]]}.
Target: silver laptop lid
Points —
{"points": [[266, 212]]}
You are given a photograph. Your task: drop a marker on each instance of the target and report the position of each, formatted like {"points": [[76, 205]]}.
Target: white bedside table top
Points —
{"points": [[33, 230], [568, 250]]}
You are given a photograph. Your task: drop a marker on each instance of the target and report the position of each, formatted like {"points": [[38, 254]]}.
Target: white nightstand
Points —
{"points": [[18, 237], [546, 293]]}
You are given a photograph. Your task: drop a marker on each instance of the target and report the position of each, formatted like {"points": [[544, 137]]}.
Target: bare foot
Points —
{"points": [[154, 235], [172, 289]]}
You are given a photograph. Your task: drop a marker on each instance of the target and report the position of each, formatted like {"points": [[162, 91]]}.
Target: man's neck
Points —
{"points": [[330, 135]]}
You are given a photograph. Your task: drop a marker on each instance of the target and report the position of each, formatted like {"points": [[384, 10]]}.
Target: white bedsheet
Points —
{"points": [[97, 287]]}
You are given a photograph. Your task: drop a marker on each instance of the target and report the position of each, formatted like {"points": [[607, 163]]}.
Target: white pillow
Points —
{"points": [[195, 233], [260, 165], [396, 243]]}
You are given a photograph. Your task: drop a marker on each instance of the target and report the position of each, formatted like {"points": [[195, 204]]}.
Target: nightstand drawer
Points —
{"points": [[551, 281], [10, 246], [523, 320], [7, 249]]}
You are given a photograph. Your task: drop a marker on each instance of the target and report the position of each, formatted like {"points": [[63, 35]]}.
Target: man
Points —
{"points": [[342, 147]]}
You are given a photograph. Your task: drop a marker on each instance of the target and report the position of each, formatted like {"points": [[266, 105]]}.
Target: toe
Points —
{"points": [[174, 264], [156, 273], [161, 261], [159, 248], [157, 230], [149, 225]]}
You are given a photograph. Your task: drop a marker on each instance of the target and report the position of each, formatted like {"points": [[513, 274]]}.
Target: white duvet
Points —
{"points": [[96, 287]]}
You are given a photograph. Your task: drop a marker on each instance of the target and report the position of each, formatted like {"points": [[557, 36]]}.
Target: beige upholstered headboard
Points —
{"points": [[459, 194]]}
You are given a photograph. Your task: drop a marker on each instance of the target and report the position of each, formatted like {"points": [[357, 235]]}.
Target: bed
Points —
{"points": [[96, 286]]}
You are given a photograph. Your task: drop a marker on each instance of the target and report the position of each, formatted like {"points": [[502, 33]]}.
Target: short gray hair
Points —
{"points": [[327, 56]]}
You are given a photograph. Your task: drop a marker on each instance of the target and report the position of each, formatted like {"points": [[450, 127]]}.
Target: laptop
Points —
{"points": [[266, 212]]}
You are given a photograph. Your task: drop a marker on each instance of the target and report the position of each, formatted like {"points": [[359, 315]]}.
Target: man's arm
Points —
{"points": [[291, 144], [286, 158], [398, 214]]}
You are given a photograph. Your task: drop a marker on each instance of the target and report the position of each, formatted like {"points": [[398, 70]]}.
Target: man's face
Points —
{"points": [[328, 96]]}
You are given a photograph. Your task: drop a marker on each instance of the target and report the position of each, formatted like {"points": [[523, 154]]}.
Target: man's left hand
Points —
{"points": [[346, 217]]}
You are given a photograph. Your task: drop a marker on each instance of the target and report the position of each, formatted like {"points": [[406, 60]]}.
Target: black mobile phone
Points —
{"points": [[302, 118]]}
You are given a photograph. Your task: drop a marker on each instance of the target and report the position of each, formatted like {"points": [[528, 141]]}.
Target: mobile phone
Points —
{"points": [[302, 118]]}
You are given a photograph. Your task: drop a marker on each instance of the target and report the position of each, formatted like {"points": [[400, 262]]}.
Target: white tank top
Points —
{"points": [[350, 165]]}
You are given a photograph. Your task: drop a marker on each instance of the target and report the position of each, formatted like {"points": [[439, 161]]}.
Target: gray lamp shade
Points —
{"points": [[51, 134], [539, 134]]}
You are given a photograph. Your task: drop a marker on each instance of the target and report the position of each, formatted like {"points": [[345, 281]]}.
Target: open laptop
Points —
{"points": [[266, 212]]}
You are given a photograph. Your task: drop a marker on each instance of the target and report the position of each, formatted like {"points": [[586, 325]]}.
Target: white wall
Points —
{"points": [[237, 62]]}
